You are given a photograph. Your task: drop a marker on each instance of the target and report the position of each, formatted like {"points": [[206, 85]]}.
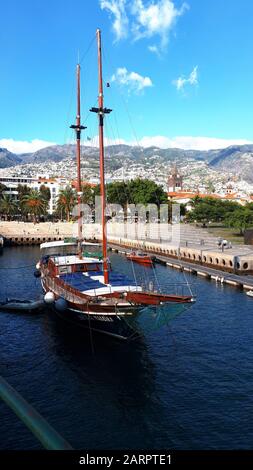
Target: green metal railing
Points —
{"points": [[41, 429]]}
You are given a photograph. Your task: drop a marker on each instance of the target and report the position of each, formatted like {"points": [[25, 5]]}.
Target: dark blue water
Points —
{"points": [[187, 386]]}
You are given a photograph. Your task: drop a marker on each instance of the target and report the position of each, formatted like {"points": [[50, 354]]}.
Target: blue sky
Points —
{"points": [[180, 72]]}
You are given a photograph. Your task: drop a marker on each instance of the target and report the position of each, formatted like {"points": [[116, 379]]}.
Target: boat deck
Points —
{"points": [[92, 283]]}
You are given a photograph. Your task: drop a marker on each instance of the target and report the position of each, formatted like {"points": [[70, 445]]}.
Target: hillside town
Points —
{"points": [[182, 180]]}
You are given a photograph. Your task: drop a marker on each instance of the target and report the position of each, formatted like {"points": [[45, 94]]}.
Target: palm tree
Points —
{"points": [[35, 203], [2, 189], [45, 192], [8, 205], [23, 190], [88, 194], [67, 199]]}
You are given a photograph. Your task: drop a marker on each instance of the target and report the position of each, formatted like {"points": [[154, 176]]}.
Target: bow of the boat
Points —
{"points": [[151, 298]]}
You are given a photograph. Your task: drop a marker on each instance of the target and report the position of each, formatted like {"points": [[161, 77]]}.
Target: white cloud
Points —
{"points": [[94, 142], [181, 142], [155, 50], [116, 9], [190, 143], [181, 82], [22, 146], [193, 78], [135, 82], [159, 141], [157, 18]]}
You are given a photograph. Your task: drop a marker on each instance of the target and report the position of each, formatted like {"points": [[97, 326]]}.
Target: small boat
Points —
{"points": [[1, 244], [15, 305], [139, 257], [250, 293]]}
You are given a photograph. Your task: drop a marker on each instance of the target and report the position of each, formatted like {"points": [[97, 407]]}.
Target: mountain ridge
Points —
{"points": [[237, 158]]}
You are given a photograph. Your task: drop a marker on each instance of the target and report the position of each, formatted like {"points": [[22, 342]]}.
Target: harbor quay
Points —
{"points": [[28, 233], [192, 245], [233, 278], [235, 260]]}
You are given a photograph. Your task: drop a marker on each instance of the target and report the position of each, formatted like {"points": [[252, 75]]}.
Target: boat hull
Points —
{"points": [[108, 325], [22, 306], [106, 319], [125, 327], [249, 293], [120, 314], [145, 260]]}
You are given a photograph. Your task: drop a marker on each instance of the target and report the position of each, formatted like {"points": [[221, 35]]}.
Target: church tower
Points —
{"points": [[229, 189], [175, 181]]}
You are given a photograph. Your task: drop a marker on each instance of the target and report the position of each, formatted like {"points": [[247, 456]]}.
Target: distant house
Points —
{"points": [[184, 197]]}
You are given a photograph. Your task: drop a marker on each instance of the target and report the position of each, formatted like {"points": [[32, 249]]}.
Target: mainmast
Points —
{"points": [[101, 111], [78, 129]]}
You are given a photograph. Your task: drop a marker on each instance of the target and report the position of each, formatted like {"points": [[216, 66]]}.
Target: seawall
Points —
{"points": [[190, 246]]}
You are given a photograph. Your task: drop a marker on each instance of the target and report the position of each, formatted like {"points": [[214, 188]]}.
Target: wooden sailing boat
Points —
{"points": [[83, 287]]}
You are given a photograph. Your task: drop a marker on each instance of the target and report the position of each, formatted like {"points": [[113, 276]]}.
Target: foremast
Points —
{"points": [[78, 129], [101, 111]]}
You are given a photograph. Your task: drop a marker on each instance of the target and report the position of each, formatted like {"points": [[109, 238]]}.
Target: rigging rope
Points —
{"points": [[88, 49], [135, 280], [156, 278]]}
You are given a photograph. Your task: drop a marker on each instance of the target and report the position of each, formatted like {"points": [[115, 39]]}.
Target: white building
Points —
{"points": [[54, 185]]}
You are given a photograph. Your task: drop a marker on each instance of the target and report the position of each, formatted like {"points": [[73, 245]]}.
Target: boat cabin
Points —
{"points": [[73, 264], [62, 258], [65, 248], [61, 262]]}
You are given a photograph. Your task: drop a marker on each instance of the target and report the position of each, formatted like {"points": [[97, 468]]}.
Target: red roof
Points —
{"points": [[231, 196], [84, 183], [46, 180], [190, 195]]}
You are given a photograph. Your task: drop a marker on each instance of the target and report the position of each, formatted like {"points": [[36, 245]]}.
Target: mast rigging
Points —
{"points": [[101, 111], [78, 129]]}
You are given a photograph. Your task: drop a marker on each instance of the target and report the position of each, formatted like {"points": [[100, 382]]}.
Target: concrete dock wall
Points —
{"points": [[191, 248], [234, 261]]}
